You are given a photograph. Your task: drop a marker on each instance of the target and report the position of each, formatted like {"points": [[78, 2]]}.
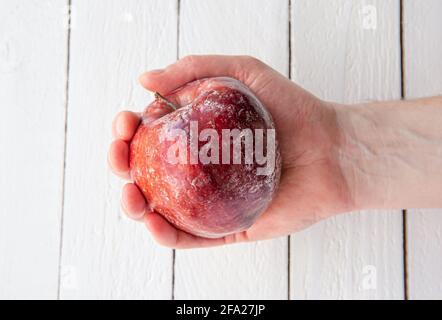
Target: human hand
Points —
{"points": [[312, 185]]}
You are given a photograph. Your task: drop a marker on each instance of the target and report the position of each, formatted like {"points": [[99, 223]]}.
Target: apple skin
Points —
{"points": [[207, 200]]}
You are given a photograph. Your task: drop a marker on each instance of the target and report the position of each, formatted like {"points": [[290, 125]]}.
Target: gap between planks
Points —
{"points": [[403, 95], [66, 105]]}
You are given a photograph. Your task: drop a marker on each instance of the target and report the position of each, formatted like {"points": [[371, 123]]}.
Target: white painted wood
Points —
{"points": [[340, 56], [259, 28], [423, 77], [104, 254], [32, 86]]}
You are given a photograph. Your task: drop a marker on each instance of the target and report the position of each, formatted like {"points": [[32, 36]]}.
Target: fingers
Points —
{"points": [[123, 128], [118, 158], [133, 202], [125, 124], [196, 67], [167, 235], [135, 206]]}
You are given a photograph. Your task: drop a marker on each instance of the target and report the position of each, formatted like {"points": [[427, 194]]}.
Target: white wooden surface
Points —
{"points": [[104, 255], [80, 245], [340, 55], [32, 92], [423, 77]]}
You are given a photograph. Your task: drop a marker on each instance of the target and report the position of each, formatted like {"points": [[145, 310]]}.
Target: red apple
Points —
{"points": [[173, 158]]}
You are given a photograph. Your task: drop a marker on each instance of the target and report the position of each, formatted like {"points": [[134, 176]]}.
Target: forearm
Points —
{"points": [[391, 153]]}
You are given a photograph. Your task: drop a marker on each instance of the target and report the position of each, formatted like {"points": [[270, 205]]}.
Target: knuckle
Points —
{"points": [[189, 59], [252, 61]]}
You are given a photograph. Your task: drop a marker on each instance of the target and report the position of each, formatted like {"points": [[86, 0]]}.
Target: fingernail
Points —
{"points": [[155, 71], [145, 75]]}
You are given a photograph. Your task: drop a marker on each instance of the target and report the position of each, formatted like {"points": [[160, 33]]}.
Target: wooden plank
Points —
{"points": [[259, 28], [423, 77], [104, 254], [32, 81], [348, 51]]}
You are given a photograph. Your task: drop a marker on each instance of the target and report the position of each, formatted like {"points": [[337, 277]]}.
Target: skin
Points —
{"points": [[336, 158]]}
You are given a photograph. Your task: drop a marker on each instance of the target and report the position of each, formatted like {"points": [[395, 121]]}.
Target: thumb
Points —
{"points": [[195, 67]]}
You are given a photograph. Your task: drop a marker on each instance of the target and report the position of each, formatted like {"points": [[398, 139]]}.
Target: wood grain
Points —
{"points": [[348, 51], [337, 53], [246, 271], [32, 82], [105, 255], [423, 77]]}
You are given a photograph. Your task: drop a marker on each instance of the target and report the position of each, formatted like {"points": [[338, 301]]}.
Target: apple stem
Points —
{"points": [[158, 97]]}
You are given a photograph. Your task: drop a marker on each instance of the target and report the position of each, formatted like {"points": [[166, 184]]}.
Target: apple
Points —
{"points": [[206, 157]]}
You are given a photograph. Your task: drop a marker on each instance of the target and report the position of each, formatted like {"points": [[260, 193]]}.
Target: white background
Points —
{"points": [[65, 73]]}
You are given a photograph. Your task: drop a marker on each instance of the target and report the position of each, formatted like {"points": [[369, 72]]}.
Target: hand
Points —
{"points": [[312, 185]]}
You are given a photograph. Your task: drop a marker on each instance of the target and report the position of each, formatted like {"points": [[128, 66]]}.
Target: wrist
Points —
{"points": [[390, 153], [363, 156]]}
